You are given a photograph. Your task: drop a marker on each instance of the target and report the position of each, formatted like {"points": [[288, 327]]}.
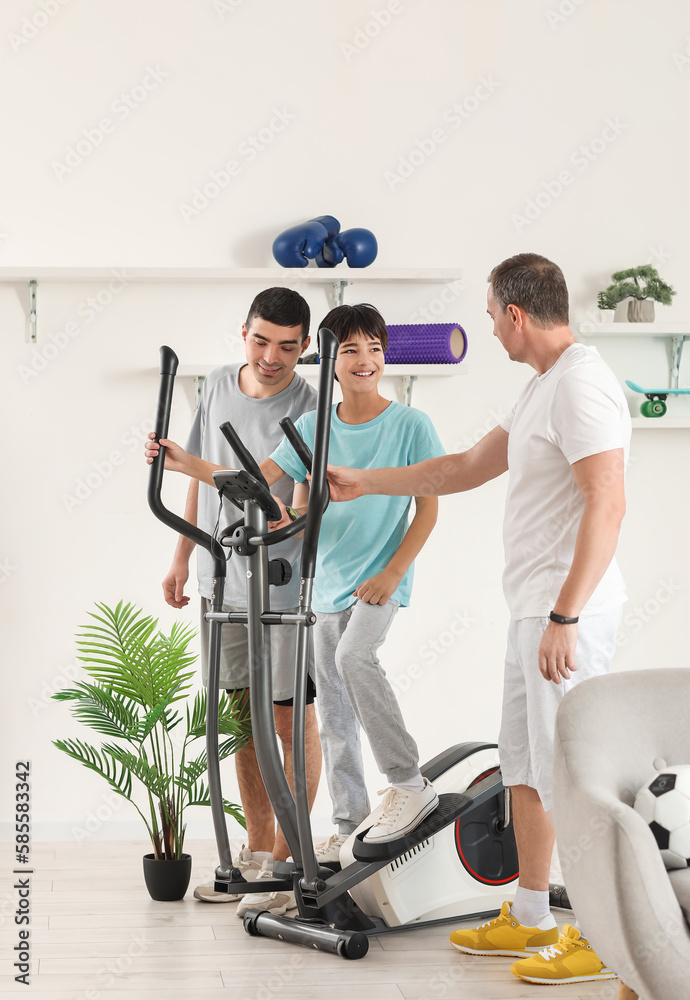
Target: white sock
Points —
{"points": [[531, 906], [415, 784]]}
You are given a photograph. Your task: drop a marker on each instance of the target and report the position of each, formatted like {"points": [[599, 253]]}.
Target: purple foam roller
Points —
{"points": [[426, 344]]}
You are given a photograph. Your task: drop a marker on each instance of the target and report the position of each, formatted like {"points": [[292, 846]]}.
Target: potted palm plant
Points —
{"points": [[136, 677]]}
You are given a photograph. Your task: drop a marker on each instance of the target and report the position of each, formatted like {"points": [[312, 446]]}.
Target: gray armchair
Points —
{"points": [[609, 731]]}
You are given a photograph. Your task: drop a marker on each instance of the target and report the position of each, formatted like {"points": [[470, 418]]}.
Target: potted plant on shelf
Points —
{"points": [[643, 286], [137, 675]]}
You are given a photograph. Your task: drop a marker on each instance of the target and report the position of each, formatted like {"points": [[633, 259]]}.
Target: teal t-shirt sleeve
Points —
{"points": [[424, 443], [285, 455]]}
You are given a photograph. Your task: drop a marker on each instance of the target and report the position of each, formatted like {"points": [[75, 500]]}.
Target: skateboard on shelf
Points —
{"points": [[655, 404]]}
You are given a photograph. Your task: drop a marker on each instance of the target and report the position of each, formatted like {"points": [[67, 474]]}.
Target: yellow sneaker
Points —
{"points": [[572, 960], [505, 936]]}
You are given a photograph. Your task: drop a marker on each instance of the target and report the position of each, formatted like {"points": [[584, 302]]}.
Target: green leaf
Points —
{"points": [[235, 811], [233, 719], [192, 771], [103, 710], [149, 774], [126, 653], [200, 796], [120, 781], [158, 713]]}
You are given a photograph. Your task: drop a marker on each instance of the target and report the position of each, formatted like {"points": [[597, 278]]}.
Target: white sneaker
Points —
{"points": [[328, 853], [276, 902], [400, 812], [250, 866]]}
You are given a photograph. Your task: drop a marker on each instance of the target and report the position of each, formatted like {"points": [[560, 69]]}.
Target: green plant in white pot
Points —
{"points": [[643, 286], [137, 675]]}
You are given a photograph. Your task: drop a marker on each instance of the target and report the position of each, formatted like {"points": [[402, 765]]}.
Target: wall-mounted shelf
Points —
{"points": [[337, 278], [312, 371], [407, 373], [280, 275], [677, 333]]}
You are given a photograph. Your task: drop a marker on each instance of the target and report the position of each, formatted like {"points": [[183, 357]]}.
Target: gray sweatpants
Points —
{"points": [[353, 691]]}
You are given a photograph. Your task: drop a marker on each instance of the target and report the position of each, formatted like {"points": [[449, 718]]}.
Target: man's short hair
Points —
{"points": [[282, 306], [346, 321], [533, 283]]}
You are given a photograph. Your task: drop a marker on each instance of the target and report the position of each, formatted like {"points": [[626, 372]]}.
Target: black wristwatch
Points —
{"points": [[562, 620]]}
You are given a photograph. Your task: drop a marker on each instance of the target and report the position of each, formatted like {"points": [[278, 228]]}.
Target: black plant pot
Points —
{"points": [[167, 880]]}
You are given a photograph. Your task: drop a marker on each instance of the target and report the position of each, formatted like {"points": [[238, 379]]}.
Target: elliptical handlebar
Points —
{"points": [[168, 370], [246, 458], [319, 493], [302, 449]]}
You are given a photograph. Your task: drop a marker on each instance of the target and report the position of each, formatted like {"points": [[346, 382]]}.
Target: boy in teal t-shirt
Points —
{"points": [[363, 575]]}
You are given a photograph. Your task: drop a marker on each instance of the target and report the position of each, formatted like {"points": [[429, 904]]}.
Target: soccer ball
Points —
{"points": [[664, 803]]}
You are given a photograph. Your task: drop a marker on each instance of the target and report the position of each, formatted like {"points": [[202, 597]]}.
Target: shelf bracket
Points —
{"points": [[407, 383], [31, 329], [339, 292], [676, 355], [198, 389]]}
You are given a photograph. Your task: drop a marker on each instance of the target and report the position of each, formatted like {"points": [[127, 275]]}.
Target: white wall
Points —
{"points": [[548, 84]]}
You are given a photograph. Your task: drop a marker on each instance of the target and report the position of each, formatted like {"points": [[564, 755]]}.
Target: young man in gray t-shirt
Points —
{"points": [[253, 397]]}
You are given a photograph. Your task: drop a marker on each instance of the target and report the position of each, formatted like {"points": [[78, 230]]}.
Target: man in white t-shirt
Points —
{"points": [[565, 445]]}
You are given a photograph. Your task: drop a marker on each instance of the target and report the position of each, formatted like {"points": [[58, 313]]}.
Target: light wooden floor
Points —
{"points": [[97, 935]]}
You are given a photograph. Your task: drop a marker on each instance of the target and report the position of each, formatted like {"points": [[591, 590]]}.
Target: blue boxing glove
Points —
{"points": [[358, 246], [296, 246]]}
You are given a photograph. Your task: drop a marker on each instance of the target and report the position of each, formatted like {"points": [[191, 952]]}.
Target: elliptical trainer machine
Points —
{"points": [[460, 863]]}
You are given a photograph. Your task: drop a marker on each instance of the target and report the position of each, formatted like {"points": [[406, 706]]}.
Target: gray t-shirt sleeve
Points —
{"points": [[196, 433]]}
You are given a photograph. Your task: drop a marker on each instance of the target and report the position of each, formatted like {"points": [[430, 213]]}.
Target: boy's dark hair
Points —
{"points": [[282, 306], [533, 283], [345, 321]]}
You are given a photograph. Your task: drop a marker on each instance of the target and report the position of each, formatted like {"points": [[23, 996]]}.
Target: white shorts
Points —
{"points": [[234, 656], [530, 703]]}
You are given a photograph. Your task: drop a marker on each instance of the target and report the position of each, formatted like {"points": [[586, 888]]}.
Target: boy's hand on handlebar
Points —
{"points": [[173, 586], [174, 454], [344, 483], [285, 519], [377, 589]]}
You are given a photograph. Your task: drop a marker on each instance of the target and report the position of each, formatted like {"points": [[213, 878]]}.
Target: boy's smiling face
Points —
{"points": [[360, 363]]}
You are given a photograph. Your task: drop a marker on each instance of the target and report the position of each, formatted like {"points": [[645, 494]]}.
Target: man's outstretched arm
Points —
{"points": [[436, 477], [179, 460]]}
